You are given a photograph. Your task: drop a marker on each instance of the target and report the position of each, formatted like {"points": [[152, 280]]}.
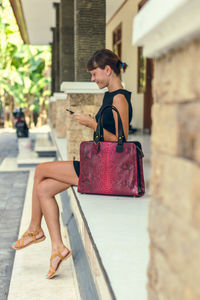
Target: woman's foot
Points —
{"points": [[29, 238], [56, 260]]}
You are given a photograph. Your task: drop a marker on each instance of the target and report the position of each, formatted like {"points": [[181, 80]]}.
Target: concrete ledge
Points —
{"points": [[99, 274], [114, 234], [81, 87], [32, 161], [163, 25]]}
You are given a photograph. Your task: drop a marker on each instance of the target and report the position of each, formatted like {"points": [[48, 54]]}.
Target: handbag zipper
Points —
{"points": [[139, 152], [138, 172]]}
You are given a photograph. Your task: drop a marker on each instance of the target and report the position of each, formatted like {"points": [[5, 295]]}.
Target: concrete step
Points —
{"points": [[32, 159], [44, 146], [29, 158], [32, 263]]}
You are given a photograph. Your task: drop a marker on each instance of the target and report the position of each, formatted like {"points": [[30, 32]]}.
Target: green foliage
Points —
{"points": [[23, 68]]}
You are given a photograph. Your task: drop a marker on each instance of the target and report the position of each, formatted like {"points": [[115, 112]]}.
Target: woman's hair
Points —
{"points": [[104, 57]]}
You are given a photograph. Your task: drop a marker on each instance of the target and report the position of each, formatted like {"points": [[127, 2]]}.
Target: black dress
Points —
{"points": [[108, 120]]}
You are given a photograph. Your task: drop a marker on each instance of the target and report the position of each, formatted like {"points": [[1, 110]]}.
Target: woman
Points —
{"points": [[55, 177]]}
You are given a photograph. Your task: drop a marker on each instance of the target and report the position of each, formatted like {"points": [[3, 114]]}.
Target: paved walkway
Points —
{"points": [[32, 263], [8, 144], [12, 194]]}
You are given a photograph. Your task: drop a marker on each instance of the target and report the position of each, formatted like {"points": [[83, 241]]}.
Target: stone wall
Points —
{"points": [[61, 115], [174, 220], [76, 133], [52, 113], [89, 33]]}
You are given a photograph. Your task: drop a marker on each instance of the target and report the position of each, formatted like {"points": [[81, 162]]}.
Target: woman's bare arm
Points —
{"points": [[121, 104]]}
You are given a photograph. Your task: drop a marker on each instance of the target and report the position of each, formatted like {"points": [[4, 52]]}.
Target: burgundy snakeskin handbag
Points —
{"points": [[111, 168]]}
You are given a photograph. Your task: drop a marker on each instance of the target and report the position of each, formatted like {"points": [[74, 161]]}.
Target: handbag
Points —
{"points": [[111, 168]]}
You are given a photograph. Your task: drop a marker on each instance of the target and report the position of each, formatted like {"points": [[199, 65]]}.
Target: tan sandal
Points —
{"points": [[20, 242], [52, 271]]}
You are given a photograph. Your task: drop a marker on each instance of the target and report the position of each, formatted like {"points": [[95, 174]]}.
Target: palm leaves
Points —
{"points": [[22, 67]]}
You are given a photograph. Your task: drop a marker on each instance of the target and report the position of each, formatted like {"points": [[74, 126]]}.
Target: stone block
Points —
{"points": [[98, 99], [74, 135], [72, 123], [179, 244], [61, 118], [174, 181], [189, 128], [164, 283], [90, 110], [197, 149], [175, 75], [80, 99], [165, 128], [176, 129], [85, 134], [53, 114], [73, 146]]}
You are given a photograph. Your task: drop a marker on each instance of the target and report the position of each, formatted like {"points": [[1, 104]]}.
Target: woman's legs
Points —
{"points": [[47, 189], [36, 216], [60, 176]]}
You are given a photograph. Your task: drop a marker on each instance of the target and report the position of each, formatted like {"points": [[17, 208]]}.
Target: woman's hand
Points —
{"points": [[85, 120]]}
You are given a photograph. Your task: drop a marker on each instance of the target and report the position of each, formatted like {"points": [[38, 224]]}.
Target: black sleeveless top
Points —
{"points": [[108, 120]]}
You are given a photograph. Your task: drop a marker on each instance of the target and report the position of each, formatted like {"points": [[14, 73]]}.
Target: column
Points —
{"points": [[66, 50], [89, 22]]}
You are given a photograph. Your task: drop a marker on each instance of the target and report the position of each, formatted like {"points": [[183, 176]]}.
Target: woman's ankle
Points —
{"points": [[34, 227], [58, 247]]}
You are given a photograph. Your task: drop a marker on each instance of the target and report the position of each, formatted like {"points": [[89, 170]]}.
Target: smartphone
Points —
{"points": [[71, 112]]}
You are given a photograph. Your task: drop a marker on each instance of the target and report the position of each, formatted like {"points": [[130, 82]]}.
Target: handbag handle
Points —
{"points": [[98, 136]]}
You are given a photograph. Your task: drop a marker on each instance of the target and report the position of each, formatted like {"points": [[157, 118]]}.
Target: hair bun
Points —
{"points": [[123, 65]]}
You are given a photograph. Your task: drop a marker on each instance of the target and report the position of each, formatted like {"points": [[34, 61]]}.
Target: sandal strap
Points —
{"points": [[32, 234], [52, 269], [19, 242], [58, 254]]}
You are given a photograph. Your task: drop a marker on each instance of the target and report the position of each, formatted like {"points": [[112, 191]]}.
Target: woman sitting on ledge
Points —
{"points": [[52, 178]]}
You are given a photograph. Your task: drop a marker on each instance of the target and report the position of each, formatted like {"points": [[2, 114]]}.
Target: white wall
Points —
{"points": [[129, 54]]}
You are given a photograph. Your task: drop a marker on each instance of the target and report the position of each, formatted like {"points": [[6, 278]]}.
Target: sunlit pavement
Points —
{"points": [[32, 263]]}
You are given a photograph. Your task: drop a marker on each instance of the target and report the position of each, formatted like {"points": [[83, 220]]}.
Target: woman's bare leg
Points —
{"points": [[36, 216], [67, 173], [47, 188], [63, 175], [46, 191], [61, 172]]}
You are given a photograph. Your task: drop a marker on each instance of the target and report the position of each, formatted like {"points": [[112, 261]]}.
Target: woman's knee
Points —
{"points": [[43, 190], [39, 171]]}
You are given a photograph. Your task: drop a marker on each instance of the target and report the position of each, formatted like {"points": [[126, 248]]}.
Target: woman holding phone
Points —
{"points": [[52, 178]]}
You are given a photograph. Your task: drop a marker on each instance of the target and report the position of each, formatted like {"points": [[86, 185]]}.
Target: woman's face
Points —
{"points": [[100, 76]]}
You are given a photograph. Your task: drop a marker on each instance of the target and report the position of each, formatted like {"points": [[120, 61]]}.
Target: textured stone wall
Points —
{"points": [[52, 113], [89, 33], [66, 46], [56, 42], [174, 220], [76, 133], [61, 116]]}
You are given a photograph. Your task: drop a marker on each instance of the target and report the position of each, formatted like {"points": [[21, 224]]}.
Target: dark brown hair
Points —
{"points": [[105, 57]]}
